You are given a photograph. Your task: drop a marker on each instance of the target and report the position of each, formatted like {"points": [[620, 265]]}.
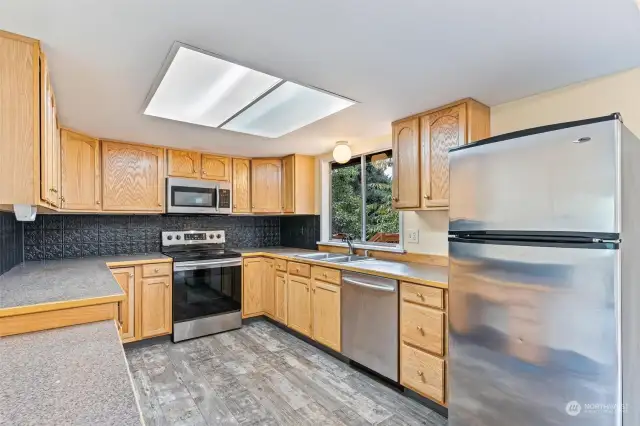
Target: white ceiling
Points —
{"points": [[396, 57]]}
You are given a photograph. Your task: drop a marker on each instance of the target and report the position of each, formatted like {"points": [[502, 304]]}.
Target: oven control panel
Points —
{"points": [[175, 238]]}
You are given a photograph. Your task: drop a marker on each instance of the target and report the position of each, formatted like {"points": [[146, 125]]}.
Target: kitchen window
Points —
{"points": [[361, 200]]}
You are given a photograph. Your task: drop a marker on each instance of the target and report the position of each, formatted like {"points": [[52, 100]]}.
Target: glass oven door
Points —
{"points": [[206, 288]]}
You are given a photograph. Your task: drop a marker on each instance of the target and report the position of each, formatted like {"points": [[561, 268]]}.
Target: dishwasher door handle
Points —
{"points": [[387, 288]]}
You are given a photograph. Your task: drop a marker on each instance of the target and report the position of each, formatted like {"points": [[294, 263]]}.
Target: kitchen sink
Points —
{"points": [[320, 256], [333, 257]]}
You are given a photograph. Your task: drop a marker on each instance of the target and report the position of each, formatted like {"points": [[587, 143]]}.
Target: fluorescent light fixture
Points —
{"points": [[200, 88], [285, 109]]}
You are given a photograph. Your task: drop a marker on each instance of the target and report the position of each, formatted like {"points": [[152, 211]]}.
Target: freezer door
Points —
{"points": [[563, 180], [531, 330]]}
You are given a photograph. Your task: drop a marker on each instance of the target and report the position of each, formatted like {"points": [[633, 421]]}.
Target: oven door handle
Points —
{"points": [[206, 264]]}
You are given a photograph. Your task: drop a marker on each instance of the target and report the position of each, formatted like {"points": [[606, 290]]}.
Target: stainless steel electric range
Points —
{"points": [[207, 283]]}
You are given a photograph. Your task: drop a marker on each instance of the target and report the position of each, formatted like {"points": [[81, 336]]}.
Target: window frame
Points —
{"points": [[360, 243]]}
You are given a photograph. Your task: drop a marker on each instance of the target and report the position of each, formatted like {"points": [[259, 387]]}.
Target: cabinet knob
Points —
{"points": [[420, 329], [130, 275], [314, 290], [98, 202], [427, 197], [253, 206], [159, 204], [156, 270], [395, 198], [421, 374], [419, 295], [324, 274], [166, 283], [235, 206], [62, 198], [204, 172]]}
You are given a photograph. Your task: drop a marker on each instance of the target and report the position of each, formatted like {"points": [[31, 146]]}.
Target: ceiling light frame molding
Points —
{"points": [[169, 59]]}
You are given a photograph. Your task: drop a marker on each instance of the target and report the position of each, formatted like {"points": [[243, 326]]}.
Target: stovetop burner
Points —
{"points": [[185, 246]]}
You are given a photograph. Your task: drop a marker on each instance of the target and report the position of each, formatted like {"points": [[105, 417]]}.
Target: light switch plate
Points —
{"points": [[413, 236]]}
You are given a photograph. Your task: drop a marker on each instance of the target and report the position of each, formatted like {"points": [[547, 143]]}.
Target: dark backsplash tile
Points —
{"points": [[70, 236], [300, 231], [11, 241]]}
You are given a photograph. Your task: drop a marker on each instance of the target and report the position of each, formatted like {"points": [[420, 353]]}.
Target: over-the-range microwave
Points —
{"points": [[198, 196]]}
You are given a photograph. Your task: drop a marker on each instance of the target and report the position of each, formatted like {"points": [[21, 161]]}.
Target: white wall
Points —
{"points": [[615, 93]]}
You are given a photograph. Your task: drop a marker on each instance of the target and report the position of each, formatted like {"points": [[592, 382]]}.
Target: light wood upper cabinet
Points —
{"points": [[241, 185], [266, 186], [421, 152], [133, 177], [269, 287], [441, 131], [156, 308], [252, 273], [125, 277], [183, 163], [406, 164], [299, 304], [326, 314], [281, 297], [80, 164], [49, 141], [298, 175], [215, 167], [19, 120]]}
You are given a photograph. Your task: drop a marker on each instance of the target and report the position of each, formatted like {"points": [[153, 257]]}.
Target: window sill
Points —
{"points": [[376, 247]]}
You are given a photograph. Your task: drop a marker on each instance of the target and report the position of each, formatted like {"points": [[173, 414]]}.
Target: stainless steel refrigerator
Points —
{"points": [[544, 277]]}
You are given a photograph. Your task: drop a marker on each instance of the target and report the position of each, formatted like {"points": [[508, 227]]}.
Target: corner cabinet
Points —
{"points": [[81, 172], [268, 287], [241, 171], [133, 177], [125, 277], [420, 149], [266, 185]]}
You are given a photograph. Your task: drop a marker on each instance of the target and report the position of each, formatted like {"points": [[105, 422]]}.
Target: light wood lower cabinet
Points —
{"points": [[268, 287], [147, 308], [281, 297], [325, 300], [423, 340], [156, 306], [125, 277], [299, 305], [252, 287]]}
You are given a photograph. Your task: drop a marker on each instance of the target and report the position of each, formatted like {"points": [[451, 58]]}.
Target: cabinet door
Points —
{"points": [[288, 184], [441, 131], [268, 287], [266, 185], [406, 164], [326, 314], [215, 167], [124, 276], [49, 142], [183, 163], [156, 306], [281, 297], [252, 287], [80, 164], [299, 304], [133, 177], [241, 185]]}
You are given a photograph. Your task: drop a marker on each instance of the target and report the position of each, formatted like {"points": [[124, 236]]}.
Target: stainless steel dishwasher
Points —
{"points": [[370, 322]]}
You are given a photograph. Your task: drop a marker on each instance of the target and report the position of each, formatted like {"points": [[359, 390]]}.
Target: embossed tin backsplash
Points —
{"points": [[69, 236], [10, 242]]}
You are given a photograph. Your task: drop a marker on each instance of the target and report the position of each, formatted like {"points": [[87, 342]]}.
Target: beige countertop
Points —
{"points": [[420, 273]]}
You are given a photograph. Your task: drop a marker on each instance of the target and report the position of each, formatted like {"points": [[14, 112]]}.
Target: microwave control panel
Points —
{"points": [[225, 198]]}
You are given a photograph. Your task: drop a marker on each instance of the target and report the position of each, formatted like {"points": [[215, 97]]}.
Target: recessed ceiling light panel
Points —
{"points": [[285, 109], [200, 88]]}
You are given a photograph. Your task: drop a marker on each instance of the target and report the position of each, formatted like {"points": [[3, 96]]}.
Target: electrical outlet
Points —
{"points": [[413, 236]]}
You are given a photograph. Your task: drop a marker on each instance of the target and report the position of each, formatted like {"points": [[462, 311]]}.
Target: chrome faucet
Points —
{"points": [[349, 240]]}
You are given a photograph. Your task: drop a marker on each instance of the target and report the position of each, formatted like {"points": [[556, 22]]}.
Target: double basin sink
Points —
{"points": [[334, 257]]}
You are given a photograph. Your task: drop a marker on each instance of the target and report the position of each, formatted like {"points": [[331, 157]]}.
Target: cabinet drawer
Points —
{"points": [[156, 270], [428, 296], [423, 327], [301, 269], [325, 274], [422, 372], [281, 265]]}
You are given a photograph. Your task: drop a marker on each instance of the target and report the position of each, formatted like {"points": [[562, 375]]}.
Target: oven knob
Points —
{"points": [[169, 237], [211, 236], [218, 236], [178, 237]]}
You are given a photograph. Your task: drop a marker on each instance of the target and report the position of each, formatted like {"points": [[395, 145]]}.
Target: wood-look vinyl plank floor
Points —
{"points": [[262, 375]]}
